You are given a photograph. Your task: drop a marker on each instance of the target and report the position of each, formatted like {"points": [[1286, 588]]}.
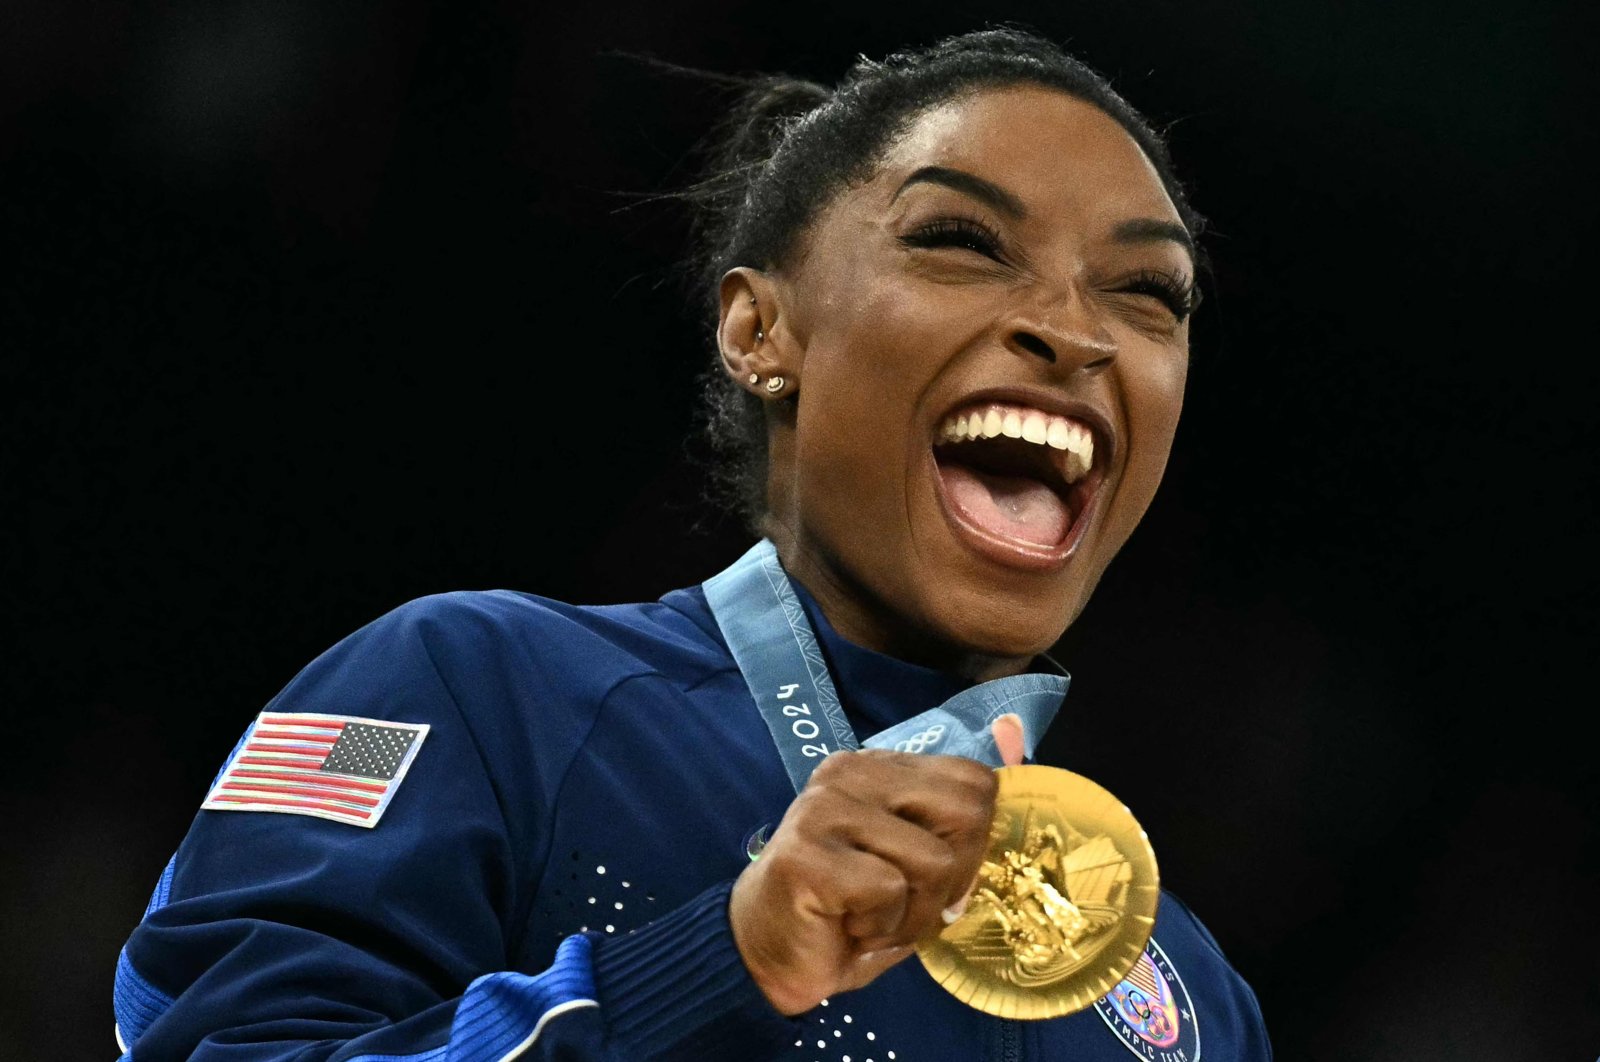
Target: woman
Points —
{"points": [[952, 318]]}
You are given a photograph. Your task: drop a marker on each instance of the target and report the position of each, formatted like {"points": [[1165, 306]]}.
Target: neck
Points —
{"points": [[861, 616]]}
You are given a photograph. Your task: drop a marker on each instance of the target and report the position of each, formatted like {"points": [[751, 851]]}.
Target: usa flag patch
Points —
{"points": [[328, 766]]}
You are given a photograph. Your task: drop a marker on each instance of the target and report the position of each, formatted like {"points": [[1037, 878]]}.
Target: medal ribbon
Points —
{"points": [[777, 652]]}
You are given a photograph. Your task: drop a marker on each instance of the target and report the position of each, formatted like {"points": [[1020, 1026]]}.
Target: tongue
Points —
{"points": [[1014, 507]]}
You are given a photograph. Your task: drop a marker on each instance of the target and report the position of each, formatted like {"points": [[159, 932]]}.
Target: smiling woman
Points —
{"points": [[1014, 265], [952, 301]]}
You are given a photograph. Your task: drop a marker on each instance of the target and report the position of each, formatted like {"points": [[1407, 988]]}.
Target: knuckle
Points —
{"points": [[835, 763], [983, 778], [891, 888], [959, 770], [818, 791], [813, 812], [872, 891], [881, 759], [796, 869], [974, 816], [816, 799], [942, 863]]}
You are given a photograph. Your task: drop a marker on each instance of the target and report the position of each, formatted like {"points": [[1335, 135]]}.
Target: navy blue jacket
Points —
{"points": [[550, 879]]}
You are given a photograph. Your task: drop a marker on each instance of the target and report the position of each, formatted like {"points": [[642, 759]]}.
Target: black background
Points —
{"points": [[309, 309]]}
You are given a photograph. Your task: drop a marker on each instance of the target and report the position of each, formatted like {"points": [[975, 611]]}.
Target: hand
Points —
{"points": [[880, 849]]}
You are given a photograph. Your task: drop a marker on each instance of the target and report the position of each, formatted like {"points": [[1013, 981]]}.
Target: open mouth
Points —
{"points": [[1016, 479]]}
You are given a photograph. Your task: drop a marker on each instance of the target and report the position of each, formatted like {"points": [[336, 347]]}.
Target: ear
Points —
{"points": [[746, 332]]}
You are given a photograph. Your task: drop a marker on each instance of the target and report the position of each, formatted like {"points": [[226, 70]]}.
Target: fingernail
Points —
{"points": [[954, 911], [1010, 738], [873, 956]]}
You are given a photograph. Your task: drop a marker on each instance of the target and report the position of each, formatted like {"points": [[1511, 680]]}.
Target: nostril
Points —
{"points": [[1034, 345]]}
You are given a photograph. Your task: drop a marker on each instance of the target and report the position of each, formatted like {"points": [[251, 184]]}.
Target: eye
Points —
{"points": [[961, 233], [1174, 290]]}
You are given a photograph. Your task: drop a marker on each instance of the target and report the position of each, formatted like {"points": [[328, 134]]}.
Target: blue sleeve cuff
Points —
{"points": [[677, 988]]}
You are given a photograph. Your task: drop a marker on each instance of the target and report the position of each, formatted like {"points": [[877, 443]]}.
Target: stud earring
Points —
{"points": [[760, 335], [774, 385], [755, 378]]}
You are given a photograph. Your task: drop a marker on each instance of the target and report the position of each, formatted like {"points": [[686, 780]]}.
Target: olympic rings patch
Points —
{"points": [[922, 741], [1150, 1008]]}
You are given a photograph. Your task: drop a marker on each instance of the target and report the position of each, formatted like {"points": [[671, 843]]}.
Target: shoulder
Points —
{"points": [[513, 681], [526, 675], [514, 617], [478, 632], [1172, 905], [532, 632], [480, 668], [486, 619], [1186, 954]]}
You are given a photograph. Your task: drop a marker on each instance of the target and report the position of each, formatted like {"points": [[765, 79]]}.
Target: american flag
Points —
{"points": [[1145, 977], [329, 766]]}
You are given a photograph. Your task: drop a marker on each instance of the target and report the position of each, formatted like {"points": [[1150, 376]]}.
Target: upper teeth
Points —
{"points": [[1030, 425]]}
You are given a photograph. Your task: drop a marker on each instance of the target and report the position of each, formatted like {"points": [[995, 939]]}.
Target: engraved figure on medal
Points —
{"points": [[1063, 904], [1048, 905]]}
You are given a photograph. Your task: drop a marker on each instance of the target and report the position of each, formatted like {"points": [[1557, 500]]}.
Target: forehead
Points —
{"points": [[1044, 146]]}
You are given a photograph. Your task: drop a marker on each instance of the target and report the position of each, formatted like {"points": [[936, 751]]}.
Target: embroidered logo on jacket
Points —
{"points": [[327, 766], [1151, 1012]]}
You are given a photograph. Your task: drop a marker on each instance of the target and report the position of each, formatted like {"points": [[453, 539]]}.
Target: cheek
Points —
{"points": [[1160, 388], [1153, 387], [885, 332], [868, 362]]}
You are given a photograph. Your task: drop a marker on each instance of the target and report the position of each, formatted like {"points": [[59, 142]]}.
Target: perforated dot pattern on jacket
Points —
{"points": [[600, 895], [839, 1036], [587, 894]]}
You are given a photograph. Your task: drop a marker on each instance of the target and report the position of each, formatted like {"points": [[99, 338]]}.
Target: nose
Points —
{"points": [[1063, 332]]}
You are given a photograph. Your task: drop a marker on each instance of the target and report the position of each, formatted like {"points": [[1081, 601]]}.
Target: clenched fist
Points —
{"points": [[865, 862]]}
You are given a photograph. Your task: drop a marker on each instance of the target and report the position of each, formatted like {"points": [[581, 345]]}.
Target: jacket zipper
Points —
{"points": [[1009, 1041]]}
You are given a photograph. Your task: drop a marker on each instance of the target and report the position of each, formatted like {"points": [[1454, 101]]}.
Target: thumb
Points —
{"points": [[1009, 738], [866, 967]]}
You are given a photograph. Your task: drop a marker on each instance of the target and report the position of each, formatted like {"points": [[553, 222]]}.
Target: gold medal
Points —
{"points": [[1064, 904]]}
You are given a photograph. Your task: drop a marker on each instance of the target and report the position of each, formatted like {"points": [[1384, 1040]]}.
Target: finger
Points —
{"points": [[869, 965], [962, 824], [952, 914], [958, 906], [877, 771], [871, 894], [936, 792], [861, 892], [962, 820], [1009, 738], [931, 869], [950, 797]]}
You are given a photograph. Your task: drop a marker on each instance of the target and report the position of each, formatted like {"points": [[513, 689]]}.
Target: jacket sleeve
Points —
{"points": [[285, 936]]}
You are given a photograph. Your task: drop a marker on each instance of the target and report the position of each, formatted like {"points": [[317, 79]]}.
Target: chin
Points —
{"points": [[983, 623]]}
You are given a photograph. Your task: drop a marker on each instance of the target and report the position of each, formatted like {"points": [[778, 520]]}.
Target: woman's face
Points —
{"points": [[1014, 266]]}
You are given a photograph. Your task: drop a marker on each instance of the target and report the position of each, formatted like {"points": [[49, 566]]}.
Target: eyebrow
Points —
{"points": [[1136, 230], [1154, 230], [969, 184]]}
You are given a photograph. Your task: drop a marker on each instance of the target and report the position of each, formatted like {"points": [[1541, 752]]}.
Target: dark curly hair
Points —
{"points": [[788, 146]]}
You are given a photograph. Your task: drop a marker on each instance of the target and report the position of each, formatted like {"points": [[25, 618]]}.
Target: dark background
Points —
{"points": [[309, 309]]}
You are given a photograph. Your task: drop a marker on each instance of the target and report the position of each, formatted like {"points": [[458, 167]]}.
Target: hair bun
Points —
{"points": [[757, 120]]}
